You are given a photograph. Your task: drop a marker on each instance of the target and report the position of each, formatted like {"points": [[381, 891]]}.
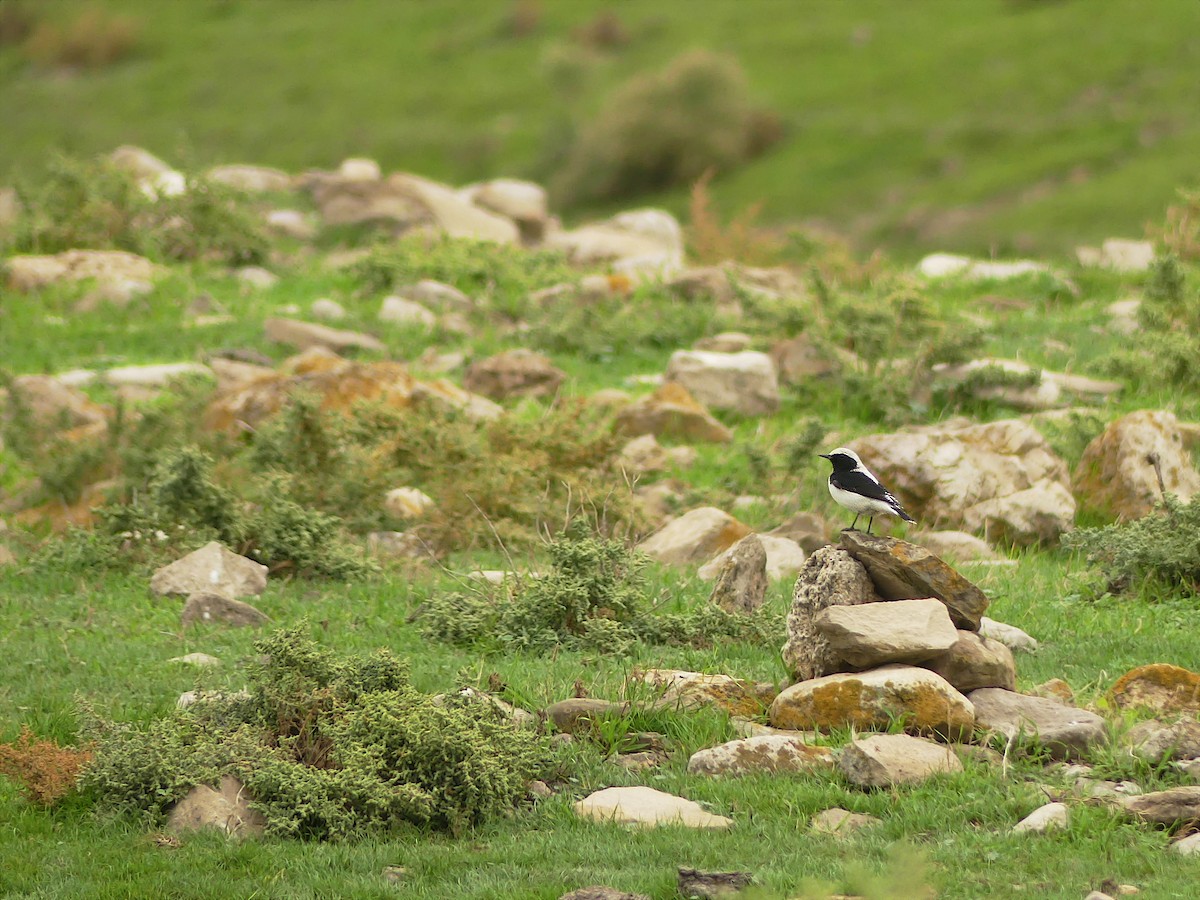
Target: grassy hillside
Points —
{"points": [[981, 125]]}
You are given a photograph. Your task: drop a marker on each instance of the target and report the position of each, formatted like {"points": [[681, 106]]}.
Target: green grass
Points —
{"points": [[985, 125]]}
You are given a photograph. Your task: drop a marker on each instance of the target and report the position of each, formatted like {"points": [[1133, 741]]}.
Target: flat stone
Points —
{"points": [[407, 503], [211, 569], [975, 662], [208, 607], [1064, 731], [883, 760], [226, 809], [902, 631], [923, 701], [696, 885], [301, 334], [830, 577], [841, 822], [1010, 636], [1053, 689], [30, 272], [756, 755], [648, 807], [601, 892], [694, 537], [403, 311], [1169, 807], [251, 179], [577, 714], [1158, 686], [1156, 741], [902, 571], [199, 660], [519, 372], [1050, 817]]}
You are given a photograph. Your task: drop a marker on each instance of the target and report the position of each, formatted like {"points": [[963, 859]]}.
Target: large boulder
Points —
{"points": [[1118, 474], [925, 703], [694, 537], [901, 631], [830, 577], [785, 558], [514, 373], [678, 689], [744, 382], [1065, 732], [903, 571], [1161, 687], [671, 411], [1169, 807], [1000, 479]]}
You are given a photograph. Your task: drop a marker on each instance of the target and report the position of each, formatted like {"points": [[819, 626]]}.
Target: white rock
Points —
{"points": [[744, 382], [1123, 316], [155, 375], [695, 536], [251, 179], [646, 806], [784, 558], [1044, 818], [943, 265], [764, 754], [330, 310], [1120, 254], [292, 223], [1009, 635], [884, 760], [213, 569], [165, 184], [256, 277], [407, 503], [401, 311], [1189, 846], [438, 296], [359, 169], [871, 634], [646, 240]]}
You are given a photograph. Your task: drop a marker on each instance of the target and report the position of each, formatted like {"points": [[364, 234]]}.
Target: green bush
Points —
{"points": [[663, 129], [1166, 348], [328, 748], [593, 597], [77, 203], [1158, 554]]}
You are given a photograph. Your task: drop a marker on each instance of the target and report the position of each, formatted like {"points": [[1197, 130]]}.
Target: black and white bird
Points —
{"points": [[854, 486]]}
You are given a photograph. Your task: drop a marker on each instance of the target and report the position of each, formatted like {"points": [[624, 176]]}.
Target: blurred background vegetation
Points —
{"points": [[999, 126]]}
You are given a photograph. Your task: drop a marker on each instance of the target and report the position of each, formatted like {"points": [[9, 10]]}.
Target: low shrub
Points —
{"points": [[1179, 234], [663, 129], [1166, 348], [1158, 554], [77, 203], [93, 39], [46, 771], [592, 597], [328, 747]]}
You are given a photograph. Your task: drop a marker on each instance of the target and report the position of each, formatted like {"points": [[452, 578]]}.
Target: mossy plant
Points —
{"points": [[329, 747]]}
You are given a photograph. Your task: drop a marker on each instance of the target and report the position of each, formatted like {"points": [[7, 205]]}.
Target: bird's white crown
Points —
{"points": [[846, 451]]}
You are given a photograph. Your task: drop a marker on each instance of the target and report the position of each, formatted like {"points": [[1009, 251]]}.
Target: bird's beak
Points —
{"points": [[823, 455]]}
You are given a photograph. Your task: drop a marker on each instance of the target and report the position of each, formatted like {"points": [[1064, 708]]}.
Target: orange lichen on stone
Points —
{"points": [[1159, 686]]}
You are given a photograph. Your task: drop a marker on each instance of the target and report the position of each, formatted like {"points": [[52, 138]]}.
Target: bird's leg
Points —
{"points": [[855, 522], [869, 521]]}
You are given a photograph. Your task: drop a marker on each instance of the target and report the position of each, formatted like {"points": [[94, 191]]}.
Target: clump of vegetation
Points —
{"points": [[94, 39], [93, 204], [1158, 554], [328, 747], [1180, 234], [483, 270], [663, 129], [1165, 348], [46, 771], [593, 596]]}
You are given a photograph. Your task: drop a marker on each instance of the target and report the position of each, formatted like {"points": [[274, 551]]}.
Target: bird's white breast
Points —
{"points": [[858, 503]]}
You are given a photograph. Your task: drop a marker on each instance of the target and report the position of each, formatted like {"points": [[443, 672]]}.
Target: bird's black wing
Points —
{"points": [[861, 483]]}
